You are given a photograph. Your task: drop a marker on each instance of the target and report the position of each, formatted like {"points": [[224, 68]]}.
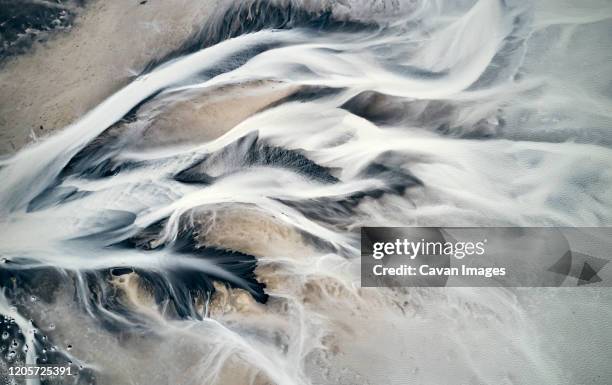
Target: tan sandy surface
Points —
{"points": [[207, 114], [111, 41]]}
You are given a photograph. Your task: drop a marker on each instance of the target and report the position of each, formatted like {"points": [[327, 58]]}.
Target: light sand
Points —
{"points": [[112, 40], [207, 114]]}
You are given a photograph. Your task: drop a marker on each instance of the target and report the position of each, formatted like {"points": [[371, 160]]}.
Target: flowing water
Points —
{"points": [[201, 225]]}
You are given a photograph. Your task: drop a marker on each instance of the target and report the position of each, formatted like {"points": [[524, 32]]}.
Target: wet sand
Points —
{"points": [[110, 42]]}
